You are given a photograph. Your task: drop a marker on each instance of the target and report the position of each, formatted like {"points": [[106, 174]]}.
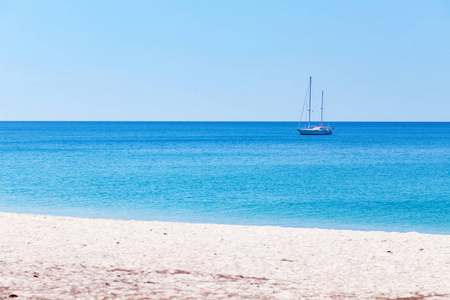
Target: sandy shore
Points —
{"points": [[44, 257]]}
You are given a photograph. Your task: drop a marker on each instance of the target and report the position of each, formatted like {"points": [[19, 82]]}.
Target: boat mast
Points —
{"points": [[321, 112], [310, 88]]}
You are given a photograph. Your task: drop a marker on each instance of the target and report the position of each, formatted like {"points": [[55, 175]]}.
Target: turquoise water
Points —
{"points": [[366, 176]]}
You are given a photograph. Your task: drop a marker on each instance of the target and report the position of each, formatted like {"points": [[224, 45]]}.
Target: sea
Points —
{"points": [[388, 176]]}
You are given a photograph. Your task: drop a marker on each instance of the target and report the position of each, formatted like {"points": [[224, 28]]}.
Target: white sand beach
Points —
{"points": [[45, 257]]}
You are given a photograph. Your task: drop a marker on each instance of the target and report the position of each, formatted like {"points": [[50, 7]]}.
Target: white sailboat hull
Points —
{"points": [[313, 131]]}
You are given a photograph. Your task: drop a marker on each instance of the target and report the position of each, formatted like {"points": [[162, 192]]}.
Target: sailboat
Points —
{"points": [[314, 130]]}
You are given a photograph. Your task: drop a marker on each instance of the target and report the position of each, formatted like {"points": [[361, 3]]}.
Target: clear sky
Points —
{"points": [[224, 60]]}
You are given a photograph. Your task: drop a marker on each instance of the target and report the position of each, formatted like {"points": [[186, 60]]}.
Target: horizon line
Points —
{"points": [[210, 121]]}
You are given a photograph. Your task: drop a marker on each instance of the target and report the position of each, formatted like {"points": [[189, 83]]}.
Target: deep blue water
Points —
{"points": [[366, 176]]}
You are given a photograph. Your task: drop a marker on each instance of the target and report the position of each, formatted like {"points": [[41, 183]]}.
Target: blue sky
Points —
{"points": [[224, 60]]}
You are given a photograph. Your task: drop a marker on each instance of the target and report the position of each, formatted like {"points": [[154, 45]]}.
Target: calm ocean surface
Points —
{"points": [[366, 176]]}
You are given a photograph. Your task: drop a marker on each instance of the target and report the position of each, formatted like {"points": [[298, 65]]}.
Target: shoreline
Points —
{"points": [[338, 227], [67, 257]]}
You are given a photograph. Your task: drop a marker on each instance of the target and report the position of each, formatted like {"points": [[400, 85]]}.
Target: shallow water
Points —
{"points": [[366, 176]]}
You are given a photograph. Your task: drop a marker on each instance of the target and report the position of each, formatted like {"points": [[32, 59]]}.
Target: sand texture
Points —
{"points": [[44, 257]]}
